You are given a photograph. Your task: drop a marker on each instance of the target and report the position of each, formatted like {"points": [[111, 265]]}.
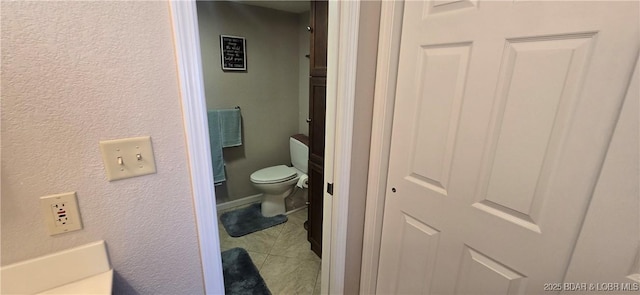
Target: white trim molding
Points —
{"points": [[187, 40], [343, 36], [330, 126], [384, 98]]}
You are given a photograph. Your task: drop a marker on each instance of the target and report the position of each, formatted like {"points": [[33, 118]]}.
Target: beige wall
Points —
{"points": [[267, 92], [75, 73]]}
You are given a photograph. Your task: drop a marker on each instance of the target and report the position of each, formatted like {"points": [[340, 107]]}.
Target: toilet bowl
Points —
{"points": [[277, 182]]}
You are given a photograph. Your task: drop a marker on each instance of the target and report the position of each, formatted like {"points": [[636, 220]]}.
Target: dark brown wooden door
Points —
{"points": [[314, 235], [317, 112], [319, 17]]}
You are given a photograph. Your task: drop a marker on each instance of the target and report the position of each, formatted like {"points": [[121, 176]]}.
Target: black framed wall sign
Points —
{"points": [[233, 53]]}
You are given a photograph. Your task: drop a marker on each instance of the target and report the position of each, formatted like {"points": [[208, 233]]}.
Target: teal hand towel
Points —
{"points": [[230, 127], [215, 140]]}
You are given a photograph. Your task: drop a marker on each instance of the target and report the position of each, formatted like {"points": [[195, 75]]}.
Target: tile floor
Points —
{"points": [[282, 254]]}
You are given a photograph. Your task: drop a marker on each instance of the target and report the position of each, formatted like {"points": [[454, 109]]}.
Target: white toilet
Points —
{"points": [[277, 182]]}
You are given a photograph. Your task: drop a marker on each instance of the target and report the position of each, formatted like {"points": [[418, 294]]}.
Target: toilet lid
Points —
{"points": [[273, 174]]}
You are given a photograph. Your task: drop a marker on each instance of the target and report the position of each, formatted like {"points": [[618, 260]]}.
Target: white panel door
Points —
{"points": [[504, 111], [606, 259]]}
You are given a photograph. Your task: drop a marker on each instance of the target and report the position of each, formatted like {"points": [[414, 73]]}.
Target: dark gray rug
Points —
{"points": [[240, 274], [247, 220]]}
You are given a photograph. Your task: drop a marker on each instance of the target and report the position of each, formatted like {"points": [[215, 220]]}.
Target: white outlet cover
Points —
{"points": [[121, 159], [60, 213]]}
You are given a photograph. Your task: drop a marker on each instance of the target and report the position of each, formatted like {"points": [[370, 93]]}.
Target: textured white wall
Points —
{"points": [[75, 73]]}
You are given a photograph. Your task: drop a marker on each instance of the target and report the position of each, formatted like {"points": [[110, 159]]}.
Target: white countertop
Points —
{"points": [[98, 284]]}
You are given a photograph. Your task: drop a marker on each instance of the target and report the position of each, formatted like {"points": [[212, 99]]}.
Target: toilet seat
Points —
{"points": [[274, 174]]}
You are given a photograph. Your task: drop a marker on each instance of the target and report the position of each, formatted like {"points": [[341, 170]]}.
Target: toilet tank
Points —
{"points": [[299, 150]]}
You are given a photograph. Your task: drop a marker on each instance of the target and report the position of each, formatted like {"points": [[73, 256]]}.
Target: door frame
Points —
{"points": [[189, 66], [342, 62], [383, 105]]}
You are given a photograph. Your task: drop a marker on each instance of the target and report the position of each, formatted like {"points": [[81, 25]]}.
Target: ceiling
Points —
{"points": [[289, 6]]}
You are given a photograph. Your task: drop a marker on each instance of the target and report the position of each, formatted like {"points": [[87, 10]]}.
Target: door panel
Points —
{"points": [[537, 89], [416, 237], [442, 76], [316, 194], [480, 274], [317, 114], [319, 34], [435, 7], [502, 118]]}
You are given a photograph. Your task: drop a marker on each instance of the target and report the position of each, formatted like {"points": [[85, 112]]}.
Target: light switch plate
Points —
{"points": [[128, 157], [60, 213]]}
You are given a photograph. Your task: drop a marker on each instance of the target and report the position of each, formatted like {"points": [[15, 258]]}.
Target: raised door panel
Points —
{"points": [[440, 86], [319, 17], [316, 184], [538, 86], [480, 274], [414, 272], [317, 113]]}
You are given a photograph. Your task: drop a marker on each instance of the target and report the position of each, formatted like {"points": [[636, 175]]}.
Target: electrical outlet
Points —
{"points": [[61, 213]]}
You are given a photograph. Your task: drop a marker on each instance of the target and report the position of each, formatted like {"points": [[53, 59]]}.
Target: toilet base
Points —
{"points": [[273, 205]]}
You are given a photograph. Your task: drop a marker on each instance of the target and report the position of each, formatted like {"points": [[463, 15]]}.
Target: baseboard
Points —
{"points": [[239, 202], [295, 210]]}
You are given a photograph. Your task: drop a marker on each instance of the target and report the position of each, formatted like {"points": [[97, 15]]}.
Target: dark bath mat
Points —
{"points": [[246, 220], [240, 274]]}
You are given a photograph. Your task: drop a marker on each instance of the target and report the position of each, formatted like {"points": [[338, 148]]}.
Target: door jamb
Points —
{"points": [[384, 99], [344, 17], [194, 113]]}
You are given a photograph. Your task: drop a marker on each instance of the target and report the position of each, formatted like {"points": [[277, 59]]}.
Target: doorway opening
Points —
{"points": [[283, 45]]}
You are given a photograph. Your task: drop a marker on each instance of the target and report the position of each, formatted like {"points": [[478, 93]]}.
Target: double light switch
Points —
{"points": [[128, 157]]}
